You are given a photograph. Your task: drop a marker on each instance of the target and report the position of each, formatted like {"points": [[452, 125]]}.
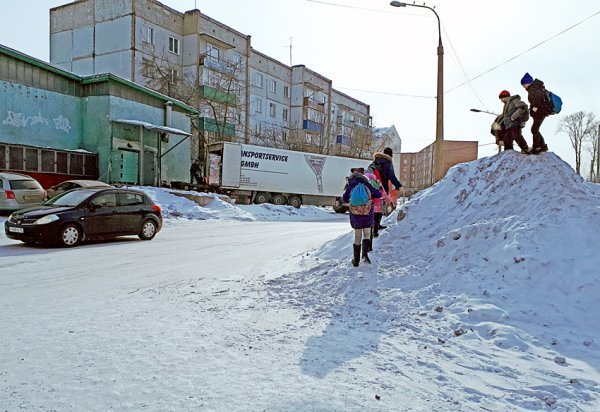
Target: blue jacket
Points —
{"points": [[360, 221], [386, 171]]}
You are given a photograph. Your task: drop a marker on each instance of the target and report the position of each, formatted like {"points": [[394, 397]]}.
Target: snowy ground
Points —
{"points": [[483, 297]]}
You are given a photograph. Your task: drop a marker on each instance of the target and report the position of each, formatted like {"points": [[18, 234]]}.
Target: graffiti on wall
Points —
{"points": [[20, 120]]}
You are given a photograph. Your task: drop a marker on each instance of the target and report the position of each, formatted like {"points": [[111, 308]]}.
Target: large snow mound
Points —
{"points": [[492, 277]]}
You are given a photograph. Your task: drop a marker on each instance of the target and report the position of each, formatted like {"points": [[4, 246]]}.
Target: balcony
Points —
{"points": [[313, 104], [312, 126], [210, 125], [210, 93]]}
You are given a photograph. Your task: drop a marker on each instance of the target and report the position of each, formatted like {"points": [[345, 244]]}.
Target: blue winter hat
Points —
{"points": [[527, 79]]}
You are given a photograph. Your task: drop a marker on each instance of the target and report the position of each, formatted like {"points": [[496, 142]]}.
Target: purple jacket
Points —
{"points": [[360, 221]]}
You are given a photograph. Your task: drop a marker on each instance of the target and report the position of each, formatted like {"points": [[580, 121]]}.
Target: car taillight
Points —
{"points": [[10, 194], [156, 207]]}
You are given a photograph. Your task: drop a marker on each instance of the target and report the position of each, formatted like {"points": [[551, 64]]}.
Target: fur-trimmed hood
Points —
{"points": [[382, 155]]}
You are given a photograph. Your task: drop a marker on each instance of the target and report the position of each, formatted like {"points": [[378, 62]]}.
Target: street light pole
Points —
{"points": [[439, 125]]}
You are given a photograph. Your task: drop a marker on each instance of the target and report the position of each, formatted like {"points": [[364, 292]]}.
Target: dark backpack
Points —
{"points": [[555, 102]]}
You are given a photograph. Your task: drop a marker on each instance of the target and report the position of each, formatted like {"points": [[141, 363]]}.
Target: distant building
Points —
{"points": [[416, 169], [55, 125], [388, 137], [242, 95]]}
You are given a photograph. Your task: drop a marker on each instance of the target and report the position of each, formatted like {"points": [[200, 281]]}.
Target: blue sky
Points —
{"points": [[386, 56]]}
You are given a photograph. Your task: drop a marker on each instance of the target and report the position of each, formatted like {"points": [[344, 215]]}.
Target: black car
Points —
{"points": [[83, 214]]}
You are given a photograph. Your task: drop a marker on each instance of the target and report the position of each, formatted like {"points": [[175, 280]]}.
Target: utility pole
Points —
{"points": [[291, 51], [598, 156]]}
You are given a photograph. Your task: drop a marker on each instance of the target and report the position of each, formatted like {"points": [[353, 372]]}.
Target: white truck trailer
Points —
{"points": [[263, 174]]}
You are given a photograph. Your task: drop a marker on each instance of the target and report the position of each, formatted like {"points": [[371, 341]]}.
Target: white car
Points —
{"points": [[74, 184], [18, 191]]}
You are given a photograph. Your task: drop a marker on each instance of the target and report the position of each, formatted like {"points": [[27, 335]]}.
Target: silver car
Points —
{"points": [[19, 191], [74, 184]]}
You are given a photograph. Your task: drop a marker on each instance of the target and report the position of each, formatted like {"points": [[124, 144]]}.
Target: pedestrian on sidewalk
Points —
{"points": [[361, 217]]}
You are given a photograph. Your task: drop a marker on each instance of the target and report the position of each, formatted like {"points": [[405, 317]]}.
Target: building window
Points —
{"points": [[174, 45], [257, 129], [173, 75], [258, 81], [148, 68], [284, 136], [272, 109], [212, 52], [258, 105], [149, 34], [404, 161], [286, 91], [273, 86], [285, 114]]}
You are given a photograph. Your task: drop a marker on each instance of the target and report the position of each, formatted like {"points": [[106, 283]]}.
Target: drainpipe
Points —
{"points": [[247, 97], [168, 119], [141, 157]]}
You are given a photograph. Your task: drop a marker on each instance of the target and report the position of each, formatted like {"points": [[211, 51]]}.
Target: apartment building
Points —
{"points": [[242, 94], [416, 168]]}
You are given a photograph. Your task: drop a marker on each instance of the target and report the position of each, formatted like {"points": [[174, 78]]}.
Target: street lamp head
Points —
{"points": [[476, 110], [397, 4]]}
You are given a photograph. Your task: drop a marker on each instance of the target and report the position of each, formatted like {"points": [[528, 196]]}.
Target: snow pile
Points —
{"points": [[175, 207], [485, 294]]}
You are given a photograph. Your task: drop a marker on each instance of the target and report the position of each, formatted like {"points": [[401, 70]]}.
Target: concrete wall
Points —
{"points": [[32, 116]]}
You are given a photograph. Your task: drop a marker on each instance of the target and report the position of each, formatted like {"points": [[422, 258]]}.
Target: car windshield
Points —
{"points": [[72, 198], [24, 184]]}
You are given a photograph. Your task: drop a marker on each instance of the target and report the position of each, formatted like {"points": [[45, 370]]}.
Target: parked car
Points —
{"points": [[73, 184], [18, 191], [83, 214]]}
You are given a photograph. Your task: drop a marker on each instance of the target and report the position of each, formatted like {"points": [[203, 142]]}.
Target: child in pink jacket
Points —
{"points": [[376, 183]]}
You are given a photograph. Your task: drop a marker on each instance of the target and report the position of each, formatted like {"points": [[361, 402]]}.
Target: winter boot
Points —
{"points": [[365, 250], [356, 258]]}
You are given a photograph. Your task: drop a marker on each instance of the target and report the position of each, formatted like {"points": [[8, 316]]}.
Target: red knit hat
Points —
{"points": [[504, 93]]}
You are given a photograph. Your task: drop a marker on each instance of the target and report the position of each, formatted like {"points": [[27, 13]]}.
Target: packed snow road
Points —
{"points": [[160, 325]]}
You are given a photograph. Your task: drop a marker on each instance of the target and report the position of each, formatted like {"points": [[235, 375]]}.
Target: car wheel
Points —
{"points": [[148, 230], [70, 235], [279, 200]]}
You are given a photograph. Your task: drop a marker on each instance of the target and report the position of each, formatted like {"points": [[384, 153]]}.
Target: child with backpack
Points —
{"points": [[377, 204], [359, 194], [542, 104]]}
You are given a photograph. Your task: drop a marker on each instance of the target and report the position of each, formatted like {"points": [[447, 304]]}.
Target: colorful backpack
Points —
{"points": [[360, 200]]}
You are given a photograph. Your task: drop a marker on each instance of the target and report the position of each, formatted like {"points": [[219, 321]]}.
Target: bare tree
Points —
{"points": [[592, 150], [579, 127], [215, 87]]}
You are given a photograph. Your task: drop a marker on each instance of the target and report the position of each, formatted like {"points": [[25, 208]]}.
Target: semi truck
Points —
{"points": [[256, 174]]}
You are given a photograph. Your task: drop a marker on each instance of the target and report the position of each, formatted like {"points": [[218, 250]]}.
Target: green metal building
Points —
{"points": [[55, 126]]}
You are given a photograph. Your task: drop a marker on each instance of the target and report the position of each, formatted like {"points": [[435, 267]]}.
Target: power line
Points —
{"points": [[526, 51], [468, 81], [388, 93]]}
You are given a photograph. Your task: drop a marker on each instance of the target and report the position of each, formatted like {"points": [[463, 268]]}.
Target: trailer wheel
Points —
{"points": [[295, 201], [279, 199], [261, 197], [339, 207]]}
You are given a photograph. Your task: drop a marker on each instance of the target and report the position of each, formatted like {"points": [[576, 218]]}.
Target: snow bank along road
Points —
{"points": [[129, 324]]}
